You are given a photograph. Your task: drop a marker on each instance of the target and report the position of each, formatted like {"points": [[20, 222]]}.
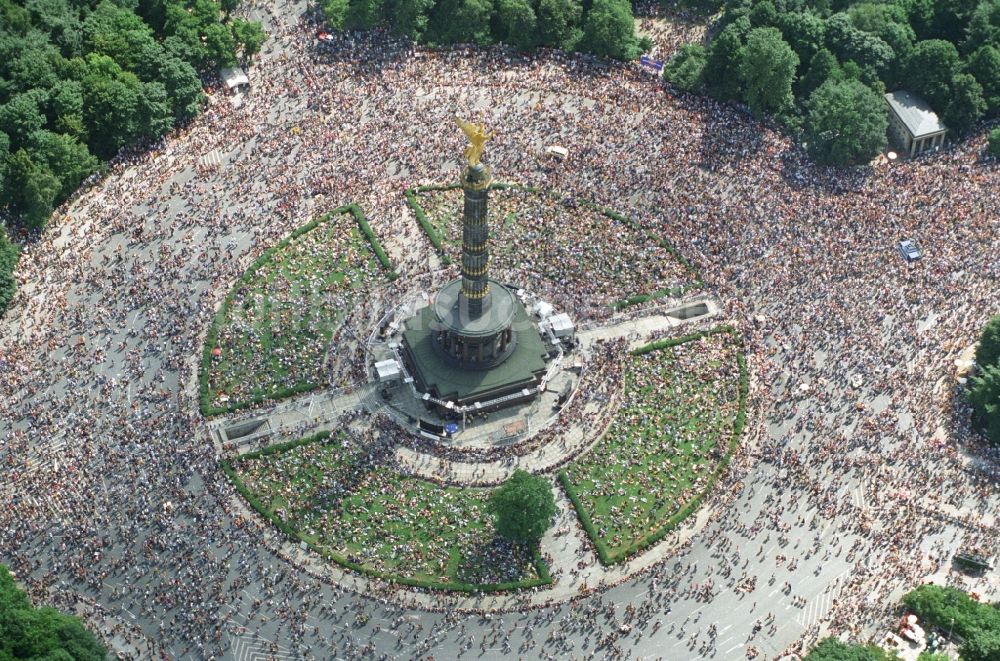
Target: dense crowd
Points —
{"points": [[279, 326], [671, 430], [114, 497], [535, 241]]}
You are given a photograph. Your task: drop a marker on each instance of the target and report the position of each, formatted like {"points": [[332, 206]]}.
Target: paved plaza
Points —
{"points": [[857, 477]]}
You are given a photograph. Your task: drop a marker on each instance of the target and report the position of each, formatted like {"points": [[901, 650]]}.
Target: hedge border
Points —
{"points": [[212, 337], [544, 575], [663, 243], [604, 555], [438, 242], [10, 255]]}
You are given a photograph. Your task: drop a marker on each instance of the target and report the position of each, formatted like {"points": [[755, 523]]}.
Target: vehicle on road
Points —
{"points": [[908, 249]]}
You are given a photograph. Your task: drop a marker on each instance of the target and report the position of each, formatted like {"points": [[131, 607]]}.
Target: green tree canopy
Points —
{"points": [[965, 104], [41, 633], [32, 188], [767, 70], [461, 21], [981, 646], [846, 123], [64, 157], [831, 649], [22, 116], [993, 143], [804, 32], [684, 70], [249, 36], [409, 17], [722, 66], [609, 30], [559, 23], [930, 70], [984, 64], [8, 260], [984, 26], [988, 349], [822, 67], [183, 87], [523, 507], [516, 23]]}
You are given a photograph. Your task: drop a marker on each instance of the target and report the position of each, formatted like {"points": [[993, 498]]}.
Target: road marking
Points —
{"points": [[736, 647]]}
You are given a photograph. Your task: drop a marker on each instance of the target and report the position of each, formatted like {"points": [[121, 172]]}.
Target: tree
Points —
{"points": [[516, 23], [183, 88], [249, 36], [981, 646], [64, 157], [609, 30], [409, 17], [984, 64], [4, 165], [684, 70], [154, 118], [33, 188], [965, 104], [111, 105], [37, 633], [993, 144], [722, 66], [984, 26], [460, 21], [364, 14], [930, 69], [116, 32], [849, 43], [559, 23], [763, 14], [22, 116], [767, 71], [8, 260], [984, 395], [335, 13], [846, 123], [988, 349], [822, 67], [523, 507], [804, 32]]}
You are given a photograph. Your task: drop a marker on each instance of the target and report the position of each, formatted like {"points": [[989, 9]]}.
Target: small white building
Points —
{"points": [[913, 123], [388, 371], [562, 326], [234, 78]]}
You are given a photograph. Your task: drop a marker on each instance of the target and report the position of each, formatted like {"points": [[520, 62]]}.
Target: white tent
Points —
{"points": [[234, 78]]}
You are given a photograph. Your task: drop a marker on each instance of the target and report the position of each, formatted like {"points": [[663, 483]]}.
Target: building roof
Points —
{"points": [[918, 117], [233, 77]]}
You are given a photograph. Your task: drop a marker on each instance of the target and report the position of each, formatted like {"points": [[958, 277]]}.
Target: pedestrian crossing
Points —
{"points": [[858, 498], [815, 610], [211, 160], [248, 648]]}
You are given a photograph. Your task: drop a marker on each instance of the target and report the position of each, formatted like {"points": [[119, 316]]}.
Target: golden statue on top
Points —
{"points": [[477, 137]]}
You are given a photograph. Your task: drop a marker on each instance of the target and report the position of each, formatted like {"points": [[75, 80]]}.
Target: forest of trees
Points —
{"points": [[41, 633], [601, 27], [821, 67], [80, 79]]}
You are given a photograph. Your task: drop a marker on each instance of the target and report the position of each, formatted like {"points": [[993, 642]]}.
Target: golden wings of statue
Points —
{"points": [[477, 138]]}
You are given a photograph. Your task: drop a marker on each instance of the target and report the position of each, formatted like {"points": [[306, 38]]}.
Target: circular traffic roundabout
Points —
{"points": [[615, 379]]}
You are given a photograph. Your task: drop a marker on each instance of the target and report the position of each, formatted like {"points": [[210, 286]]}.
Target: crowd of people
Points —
{"points": [[534, 241], [671, 430], [115, 497], [278, 328]]}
